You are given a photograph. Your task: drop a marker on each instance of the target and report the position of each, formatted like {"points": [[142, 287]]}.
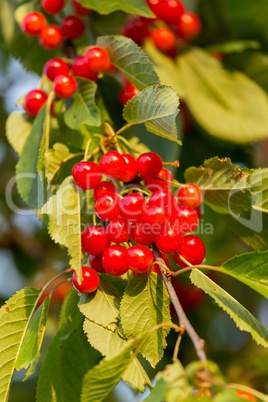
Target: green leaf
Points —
{"points": [[243, 319], [15, 315], [234, 46], [83, 109], [144, 305], [130, 60], [223, 102], [251, 269], [225, 186], [108, 343], [6, 20], [63, 210], [158, 392], [18, 128], [137, 7], [68, 358], [99, 381], [102, 307], [54, 158], [157, 109], [30, 349], [259, 188], [29, 182]]}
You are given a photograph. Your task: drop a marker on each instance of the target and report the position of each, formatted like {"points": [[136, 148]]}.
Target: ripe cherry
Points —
{"points": [[33, 23], [167, 10], [164, 199], [118, 230], [90, 280], [190, 194], [136, 29], [94, 240], [189, 25], [132, 206], [185, 219], [72, 27], [86, 175], [95, 261], [162, 180], [168, 240], [143, 233], [79, 9], [246, 396], [113, 165], [139, 258], [52, 6], [51, 37], [154, 215], [34, 100], [131, 168], [149, 165], [64, 86], [114, 260], [55, 67], [163, 38], [105, 187], [192, 249], [128, 93], [107, 207], [98, 59], [80, 69]]}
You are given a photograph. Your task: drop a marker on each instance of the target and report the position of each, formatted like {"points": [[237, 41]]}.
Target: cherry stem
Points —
{"points": [[168, 272], [87, 148], [125, 127], [249, 390], [190, 268], [176, 164], [183, 320]]}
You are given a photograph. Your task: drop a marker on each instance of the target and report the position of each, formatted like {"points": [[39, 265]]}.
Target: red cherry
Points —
{"points": [[34, 100], [114, 261], [143, 233], [80, 69], [185, 219], [128, 93], [94, 240], [98, 59], [55, 67], [162, 180], [136, 29], [95, 261], [190, 194], [72, 27], [154, 215], [149, 165], [79, 9], [167, 10], [189, 25], [132, 206], [90, 280], [168, 239], [52, 6], [65, 86], [107, 207], [164, 199], [192, 249], [33, 23], [105, 187], [245, 395], [118, 230], [113, 165], [86, 175], [139, 258], [156, 268], [51, 37], [163, 38], [131, 169]]}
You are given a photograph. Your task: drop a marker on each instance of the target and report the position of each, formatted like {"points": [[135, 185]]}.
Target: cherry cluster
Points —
{"points": [[172, 27], [145, 211]]}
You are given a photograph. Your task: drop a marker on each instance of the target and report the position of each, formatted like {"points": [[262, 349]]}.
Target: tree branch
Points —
{"points": [[183, 320]]}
